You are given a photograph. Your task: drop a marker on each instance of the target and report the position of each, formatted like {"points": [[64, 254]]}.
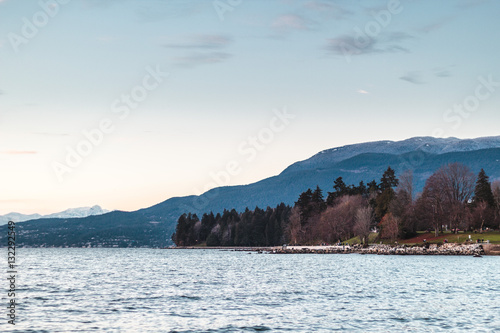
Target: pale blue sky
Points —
{"points": [[226, 79]]}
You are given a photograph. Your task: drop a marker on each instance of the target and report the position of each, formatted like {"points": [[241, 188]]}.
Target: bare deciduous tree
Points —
{"points": [[389, 227], [406, 184], [294, 226], [337, 222], [495, 187], [456, 183], [362, 224], [480, 215], [446, 195], [459, 182], [432, 201], [403, 205]]}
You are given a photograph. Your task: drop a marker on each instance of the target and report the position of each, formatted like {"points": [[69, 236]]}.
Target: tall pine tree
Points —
{"points": [[305, 206], [483, 192], [317, 200], [387, 184]]}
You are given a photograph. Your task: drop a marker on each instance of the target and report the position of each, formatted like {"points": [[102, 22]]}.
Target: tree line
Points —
{"points": [[453, 198], [256, 227]]}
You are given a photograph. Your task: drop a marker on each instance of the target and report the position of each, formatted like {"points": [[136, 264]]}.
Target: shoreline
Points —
{"points": [[379, 249]]}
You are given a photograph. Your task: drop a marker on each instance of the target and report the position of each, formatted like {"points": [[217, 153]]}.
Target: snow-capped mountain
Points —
{"points": [[18, 217], [427, 144], [68, 213]]}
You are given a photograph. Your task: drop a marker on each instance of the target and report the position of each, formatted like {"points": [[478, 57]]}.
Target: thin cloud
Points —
{"points": [[50, 134], [290, 22], [361, 91], [465, 4], [443, 73], [328, 10], [413, 77], [431, 27], [159, 10], [202, 42], [434, 26], [154, 10], [197, 59], [374, 10], [348, 44], [90, 4], [19, 152], [427, 76], [205, 50], [396, 36], [355, 45]]}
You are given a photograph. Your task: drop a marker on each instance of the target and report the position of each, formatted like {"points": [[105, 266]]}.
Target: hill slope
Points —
{"points": [[362, 162]]}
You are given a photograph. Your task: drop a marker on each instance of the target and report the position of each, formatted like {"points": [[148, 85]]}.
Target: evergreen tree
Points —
{"points": [[207, 224], [388, 180], [258, 222], [340, 189], [305, 206], [387, 184], [382, 203], [483, 192], [191, 234], [339, 186], [317, 200], [361, 189], [213, 239], [181, 231], [372, 187]]}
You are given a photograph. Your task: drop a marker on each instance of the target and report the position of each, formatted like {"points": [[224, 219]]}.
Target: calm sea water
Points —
{"points": [[146, 290]]}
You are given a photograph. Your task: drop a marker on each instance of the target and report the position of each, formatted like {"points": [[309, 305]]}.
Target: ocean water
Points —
{"points": [[152, 290]]}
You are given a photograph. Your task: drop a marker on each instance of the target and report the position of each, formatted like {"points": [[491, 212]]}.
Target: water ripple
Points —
{"points": [[145, 290]]}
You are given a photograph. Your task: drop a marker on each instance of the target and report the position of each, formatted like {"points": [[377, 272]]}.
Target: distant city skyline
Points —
{"points": [[127, 103]]}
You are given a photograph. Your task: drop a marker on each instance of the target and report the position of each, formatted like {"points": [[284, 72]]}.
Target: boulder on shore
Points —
{"points": [[383, 249]]}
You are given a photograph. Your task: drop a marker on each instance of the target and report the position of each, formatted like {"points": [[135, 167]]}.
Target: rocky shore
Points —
{"points": [[492, 249], [430, 249]]}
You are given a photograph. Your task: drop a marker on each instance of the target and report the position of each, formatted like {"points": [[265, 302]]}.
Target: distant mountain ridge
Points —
{"points": [[427, 144], [153, 226], [68, 213]]}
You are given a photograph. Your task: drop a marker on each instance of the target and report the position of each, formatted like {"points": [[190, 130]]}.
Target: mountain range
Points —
{"points": [[68, 213], [153, 226]]}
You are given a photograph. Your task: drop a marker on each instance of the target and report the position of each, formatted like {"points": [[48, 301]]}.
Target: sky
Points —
{"points": [[128, 103]]}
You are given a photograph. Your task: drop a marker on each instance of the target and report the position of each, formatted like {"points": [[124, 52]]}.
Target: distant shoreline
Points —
{"points": [[380, 249]]}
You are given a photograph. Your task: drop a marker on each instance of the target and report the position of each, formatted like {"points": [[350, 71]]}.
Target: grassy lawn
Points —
{"points": [[492, 236], [355, 240]]}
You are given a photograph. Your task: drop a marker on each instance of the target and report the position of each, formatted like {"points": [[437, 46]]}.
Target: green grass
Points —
{"points": [[355, 240], [492, 236], [461, 237]]}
